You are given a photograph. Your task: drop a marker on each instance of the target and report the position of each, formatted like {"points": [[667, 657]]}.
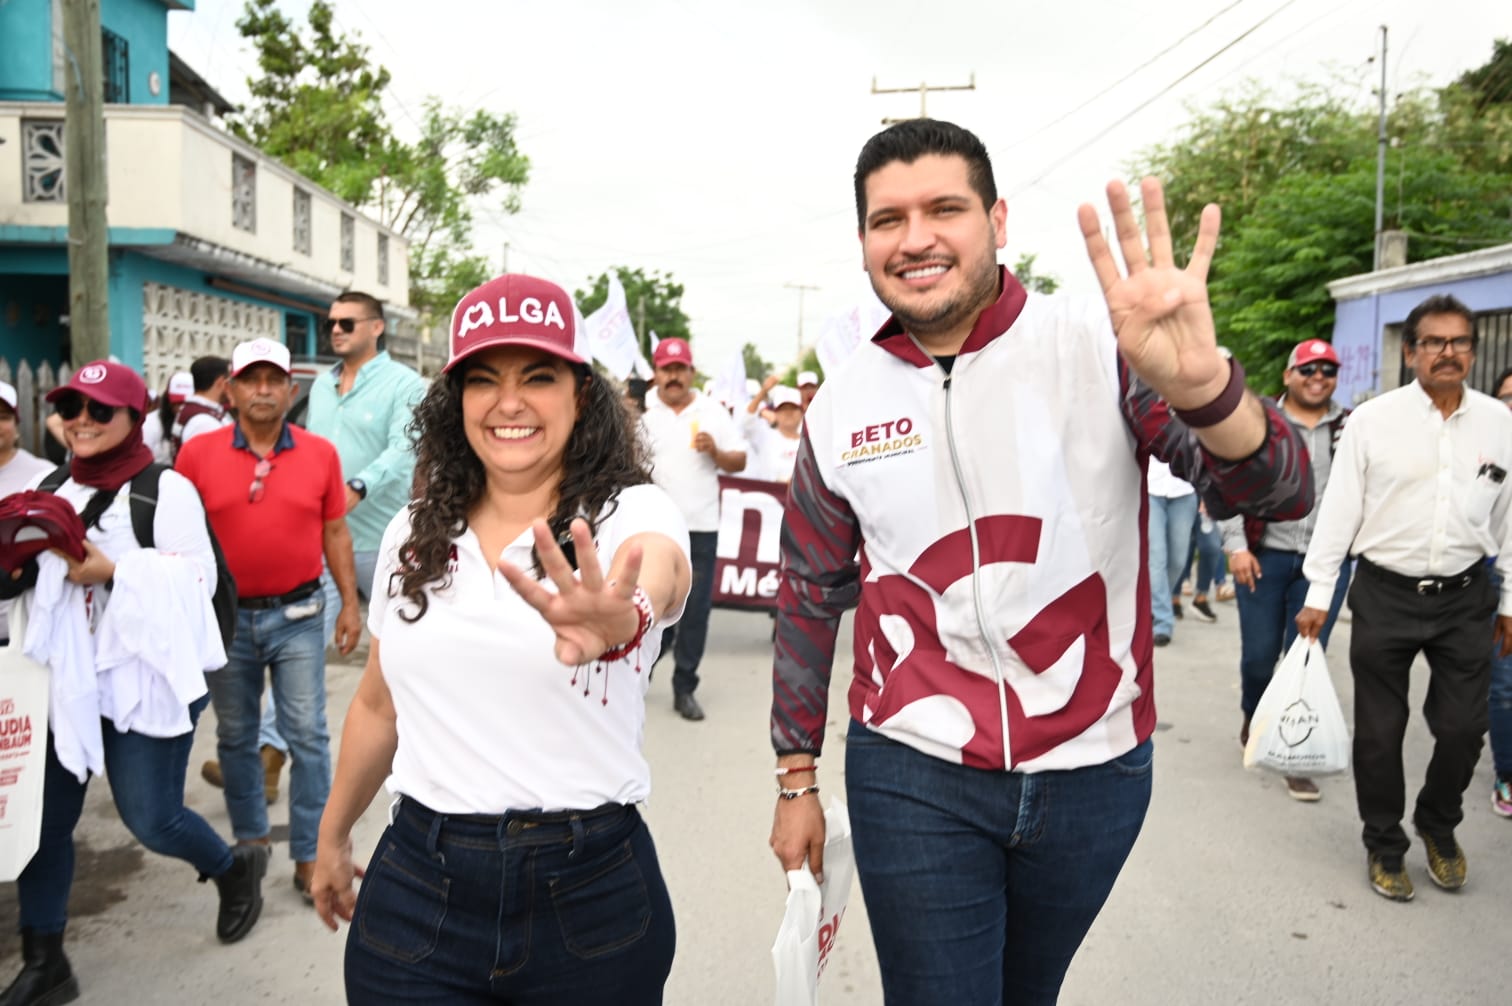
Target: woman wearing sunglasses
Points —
{"points": [[127, 635], [518, 610]]}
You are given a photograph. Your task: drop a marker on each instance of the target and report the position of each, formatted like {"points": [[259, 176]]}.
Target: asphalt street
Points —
{"points": [[1234, 894]]}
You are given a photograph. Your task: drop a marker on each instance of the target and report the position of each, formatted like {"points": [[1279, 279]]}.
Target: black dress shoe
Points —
{"points": [[240, 887], [687, 706], [46, 979]]}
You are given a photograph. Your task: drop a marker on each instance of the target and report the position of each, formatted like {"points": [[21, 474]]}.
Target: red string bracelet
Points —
{"points": [[647, 616]]}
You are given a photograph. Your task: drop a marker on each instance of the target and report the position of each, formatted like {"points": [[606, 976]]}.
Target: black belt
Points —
{"points": [[514, 821], [1424, 585], [299, 593]]}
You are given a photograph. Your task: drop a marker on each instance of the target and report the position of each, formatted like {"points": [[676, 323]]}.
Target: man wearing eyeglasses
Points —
{"points": [[276, 500], [1265, 558], [1419, 492]]}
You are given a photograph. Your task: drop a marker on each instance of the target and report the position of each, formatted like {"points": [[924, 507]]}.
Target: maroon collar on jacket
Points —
{"points": [[990, 324]]}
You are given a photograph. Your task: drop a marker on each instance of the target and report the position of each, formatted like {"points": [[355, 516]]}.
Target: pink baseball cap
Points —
{"points": [[107, 382], [1312, 349], [516, 310], [670, 351]]}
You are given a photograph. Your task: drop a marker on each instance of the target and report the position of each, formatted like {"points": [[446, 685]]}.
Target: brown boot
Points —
{"points": [[211, 773], [273, 763]]}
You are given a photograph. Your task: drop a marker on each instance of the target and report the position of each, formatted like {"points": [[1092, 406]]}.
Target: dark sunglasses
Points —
{"points": [[259, 473], [69, 406], [345, 324], [1328, 369]]}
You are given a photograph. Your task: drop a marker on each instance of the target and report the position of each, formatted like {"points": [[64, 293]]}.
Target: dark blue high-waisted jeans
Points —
{"points": [[528, 908]]}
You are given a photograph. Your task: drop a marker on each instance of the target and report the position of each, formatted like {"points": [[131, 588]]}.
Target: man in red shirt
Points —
{"points": [[276, 500]]}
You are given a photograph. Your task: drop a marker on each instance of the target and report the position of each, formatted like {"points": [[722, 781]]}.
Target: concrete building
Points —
{"points": [[1371, 308], [211, 241]]}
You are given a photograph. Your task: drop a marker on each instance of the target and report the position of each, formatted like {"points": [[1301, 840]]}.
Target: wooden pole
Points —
{"points": [[84, 178]]}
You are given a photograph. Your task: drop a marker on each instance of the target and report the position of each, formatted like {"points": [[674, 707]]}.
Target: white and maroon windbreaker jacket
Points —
{"points": [[1003, 611]]}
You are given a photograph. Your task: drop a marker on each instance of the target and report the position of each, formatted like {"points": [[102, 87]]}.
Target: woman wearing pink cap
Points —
{"points": [[518, 610], [122, 703]]}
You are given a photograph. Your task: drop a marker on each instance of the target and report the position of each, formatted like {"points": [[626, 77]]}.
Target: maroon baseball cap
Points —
{"points": [[32, 522], [107, 382], [1312, 349], [672, 351], [516, 310]]}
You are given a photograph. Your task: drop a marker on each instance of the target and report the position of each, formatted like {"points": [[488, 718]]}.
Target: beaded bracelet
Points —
{"points": [[795, 769], [793, 794], [642, 604]]}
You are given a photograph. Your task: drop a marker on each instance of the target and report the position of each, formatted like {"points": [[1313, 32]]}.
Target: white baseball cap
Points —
{"points": [[8, 395], [783, 395], [807, 377], [180, 386], [259, 351]]}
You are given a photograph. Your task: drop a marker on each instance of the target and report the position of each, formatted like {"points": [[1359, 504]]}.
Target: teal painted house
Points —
{"points": [[211, 242]]}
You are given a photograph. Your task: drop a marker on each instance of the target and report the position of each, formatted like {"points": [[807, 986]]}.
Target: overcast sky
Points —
{"points": [[716, 140]]}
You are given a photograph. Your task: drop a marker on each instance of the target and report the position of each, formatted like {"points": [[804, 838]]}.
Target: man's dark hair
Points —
{"points": [[367, 300], [908, 141], [1439, 303], [207, 370]]}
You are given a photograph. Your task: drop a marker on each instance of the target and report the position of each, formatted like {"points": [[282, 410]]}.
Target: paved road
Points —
{"points": [[1234, 893]]}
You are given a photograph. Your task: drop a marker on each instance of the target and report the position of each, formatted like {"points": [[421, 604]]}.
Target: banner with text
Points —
{"points": [[748, 553]]}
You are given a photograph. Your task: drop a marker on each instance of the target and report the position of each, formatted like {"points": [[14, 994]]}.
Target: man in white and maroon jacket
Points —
{"points": [[985, 453]]}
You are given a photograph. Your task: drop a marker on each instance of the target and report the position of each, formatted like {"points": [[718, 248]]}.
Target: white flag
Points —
{"points": [[611, 338], [643, 369], [730, 381], [844, 333]]}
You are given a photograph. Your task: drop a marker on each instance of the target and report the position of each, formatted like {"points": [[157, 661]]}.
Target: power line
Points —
{"points": [[1152, 99], [1142, 66]]}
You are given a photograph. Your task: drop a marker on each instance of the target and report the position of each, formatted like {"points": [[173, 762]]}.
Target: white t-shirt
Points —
{"points": [[23, 470], [690, 477], [488, 720], [772, 455], [156, 438]]}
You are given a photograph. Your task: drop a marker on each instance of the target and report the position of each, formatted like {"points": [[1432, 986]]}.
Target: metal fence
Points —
{"points": [[32, 385]]}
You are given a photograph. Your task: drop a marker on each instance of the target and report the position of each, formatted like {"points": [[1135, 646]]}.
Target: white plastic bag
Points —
{"points": [[813, 915], [23, 749], [1298, 728]]}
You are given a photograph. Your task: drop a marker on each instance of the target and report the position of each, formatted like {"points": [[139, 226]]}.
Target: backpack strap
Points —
{"points": [[144, 499], [54, 480]]}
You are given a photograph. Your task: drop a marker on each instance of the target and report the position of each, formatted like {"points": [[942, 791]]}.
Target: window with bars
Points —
{"points": [[117, 57], [383, 271], [244, 193], [348, 242], [301, 221]]}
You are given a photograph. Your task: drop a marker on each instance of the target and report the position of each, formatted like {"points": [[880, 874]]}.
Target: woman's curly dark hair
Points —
{"points": [[603, 456]]}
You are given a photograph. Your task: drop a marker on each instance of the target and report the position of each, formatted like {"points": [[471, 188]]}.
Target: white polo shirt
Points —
{"points": [[488, 720], [690, 477]]}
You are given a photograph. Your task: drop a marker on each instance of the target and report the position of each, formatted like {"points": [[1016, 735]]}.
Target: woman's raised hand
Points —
{"points": [[588, 613]]}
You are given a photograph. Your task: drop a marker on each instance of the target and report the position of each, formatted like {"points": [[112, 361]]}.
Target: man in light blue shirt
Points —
{"points": [[364, 406]]}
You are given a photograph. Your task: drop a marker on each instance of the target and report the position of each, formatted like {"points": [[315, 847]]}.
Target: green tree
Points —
{"points": [[1023, 269], [317, 106], [653, 299], [755, 367]]}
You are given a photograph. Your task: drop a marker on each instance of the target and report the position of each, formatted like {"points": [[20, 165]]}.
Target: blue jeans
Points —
{"points": [[981, 885], [1170, 535], [686, 639], [147, 782], [1501, 707], [528, 908], [268, 735], [287, 642], [1207, 548], [1268, 618]]}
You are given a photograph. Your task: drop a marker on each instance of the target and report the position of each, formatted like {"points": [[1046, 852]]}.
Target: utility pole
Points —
{"points": [[923, 90], [506, 257], [802, 289], [84, 177], [1380, 205]]}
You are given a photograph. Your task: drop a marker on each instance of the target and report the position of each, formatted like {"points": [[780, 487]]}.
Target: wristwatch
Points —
{"points": [[358, 486]]}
